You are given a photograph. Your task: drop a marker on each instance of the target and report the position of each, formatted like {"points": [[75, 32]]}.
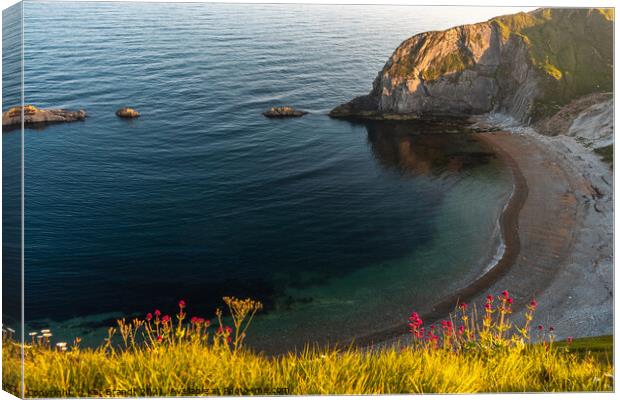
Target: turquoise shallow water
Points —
{"points": [[340, 228]]}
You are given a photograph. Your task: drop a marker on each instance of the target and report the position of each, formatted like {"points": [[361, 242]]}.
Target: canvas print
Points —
{"points": [[205, 199]]}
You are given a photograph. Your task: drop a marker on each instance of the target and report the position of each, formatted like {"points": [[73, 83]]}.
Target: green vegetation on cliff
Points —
{"points": [[572, 48]]}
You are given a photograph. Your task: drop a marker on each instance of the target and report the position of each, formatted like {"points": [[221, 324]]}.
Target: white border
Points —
{"points": [[520, 3]]}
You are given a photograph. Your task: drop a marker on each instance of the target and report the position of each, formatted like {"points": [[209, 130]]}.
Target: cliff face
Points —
{"points": [[527, 65]]}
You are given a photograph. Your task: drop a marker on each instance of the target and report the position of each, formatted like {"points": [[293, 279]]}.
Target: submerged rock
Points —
{"points": [[35, 116], [127, 112], [526, 65], [282, 112]]}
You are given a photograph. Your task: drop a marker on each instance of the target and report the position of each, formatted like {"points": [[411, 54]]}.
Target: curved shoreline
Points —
{"points": [[509, 238]]}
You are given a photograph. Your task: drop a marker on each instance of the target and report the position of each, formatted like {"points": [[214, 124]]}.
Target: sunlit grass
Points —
{"points": [[160, 355]]}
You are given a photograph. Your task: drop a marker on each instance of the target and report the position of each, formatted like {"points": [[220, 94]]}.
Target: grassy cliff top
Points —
{"points": [[572, 49]]}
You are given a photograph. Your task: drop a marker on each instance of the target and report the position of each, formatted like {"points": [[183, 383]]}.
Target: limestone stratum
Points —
{"points": [[526, 65]]}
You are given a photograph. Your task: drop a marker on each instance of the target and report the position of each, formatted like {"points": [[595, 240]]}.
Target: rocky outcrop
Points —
{"points": [[526, 65], [594, 125], [127, 112], [39, 116], [283, 112]]}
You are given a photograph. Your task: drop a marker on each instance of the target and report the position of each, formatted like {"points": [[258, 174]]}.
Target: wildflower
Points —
{"points": [[44, 331], [461, 330], [489, 299], [157, 313], [533, 304], [540, 327], [569, 340], [193, 320], [61, 344], [165, 318], [551, 329], [149, 316], [159, 338], [227, 330], [509, 300], [505, 294], [488, 307], [47, 335], [415, 322], [181, 304], [463, 306]]}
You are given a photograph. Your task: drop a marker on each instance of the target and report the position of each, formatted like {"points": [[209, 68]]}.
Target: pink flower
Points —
{"points": [[165, 318], [463, 306], [551, 329], [149, 316], [415, 321], [159, 339], [489, 299], [194, 320], [540, 327], [181, 303], [227, 330], [157, 313], [509, 300], [505, 294], [569, 340], [461, 330], [533, 304]]}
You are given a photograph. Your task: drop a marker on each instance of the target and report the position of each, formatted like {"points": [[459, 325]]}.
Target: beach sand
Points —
{"points": [[565, 229], [558, 232]]}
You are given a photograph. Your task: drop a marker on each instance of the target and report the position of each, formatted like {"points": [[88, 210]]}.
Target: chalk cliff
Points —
{"points": [[527, 65]]}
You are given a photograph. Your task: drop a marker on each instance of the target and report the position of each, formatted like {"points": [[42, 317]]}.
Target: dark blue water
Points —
{"points": [[339, 228]]}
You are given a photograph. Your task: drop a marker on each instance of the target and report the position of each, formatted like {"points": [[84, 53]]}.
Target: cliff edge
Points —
{"points": [[527, 65]]}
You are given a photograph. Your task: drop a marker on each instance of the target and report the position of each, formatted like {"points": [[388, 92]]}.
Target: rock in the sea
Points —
{"points": [[36, 116], [526, 65], [127, 112], [282, 112]]}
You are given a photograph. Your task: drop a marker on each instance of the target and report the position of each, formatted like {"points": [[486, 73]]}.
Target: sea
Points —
{"points": [[340, 228]]}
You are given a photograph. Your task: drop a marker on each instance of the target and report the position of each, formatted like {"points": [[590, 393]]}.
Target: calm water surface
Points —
{"points": [[340, 228]]}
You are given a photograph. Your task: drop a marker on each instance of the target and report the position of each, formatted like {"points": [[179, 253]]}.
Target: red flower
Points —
{"points": [[461, 329], [540, 327], [509, 300], [505, 294], [159, 339], [149, 316], [463, 306], [569, 340], [415, 321], [489, 299], [488, 306], [181, 303], [194, 320], [227, 330], [533, 303], [157, 313], [551, 329], [165, 318]]}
